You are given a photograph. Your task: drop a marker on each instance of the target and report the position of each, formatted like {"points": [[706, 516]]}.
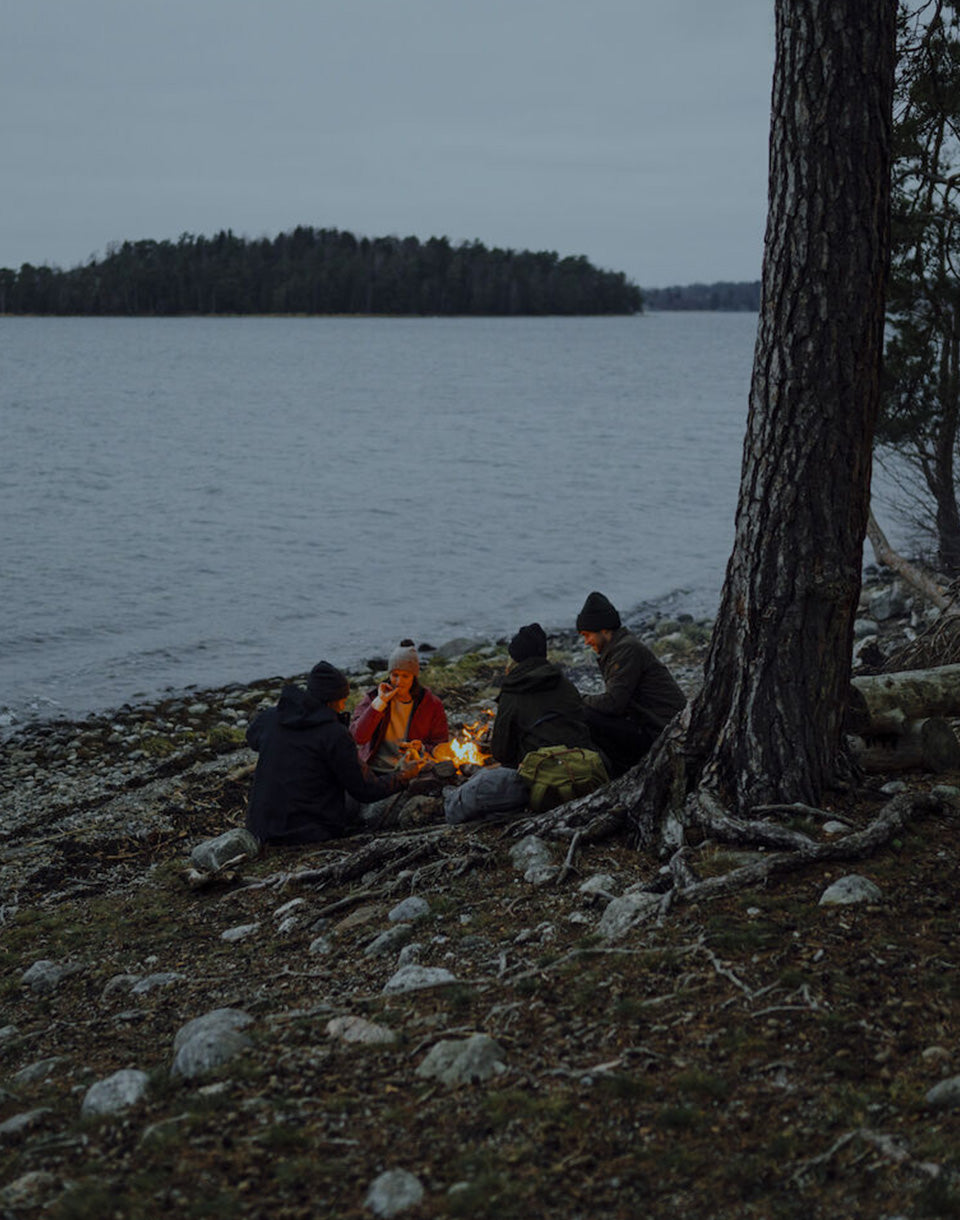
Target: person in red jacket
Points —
{"points": [[398, 713]]}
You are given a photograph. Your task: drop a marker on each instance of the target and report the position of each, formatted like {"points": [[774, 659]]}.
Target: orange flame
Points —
{"points": [[466, 749]]}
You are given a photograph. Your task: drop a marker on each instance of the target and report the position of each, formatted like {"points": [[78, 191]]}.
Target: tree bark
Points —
{"points": [[768, 724]]}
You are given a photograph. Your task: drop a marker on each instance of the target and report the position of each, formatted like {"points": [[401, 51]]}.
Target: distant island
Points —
{"points": [[723, 296], [318, 271]]}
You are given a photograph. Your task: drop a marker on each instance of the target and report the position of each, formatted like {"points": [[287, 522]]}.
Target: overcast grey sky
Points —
{"points": [[631, 131]]}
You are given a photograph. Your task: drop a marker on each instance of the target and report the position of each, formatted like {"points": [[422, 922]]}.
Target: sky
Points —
{"points": [[630, 131]]}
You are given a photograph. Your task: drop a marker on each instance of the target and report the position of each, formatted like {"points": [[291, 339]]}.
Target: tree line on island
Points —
{"points": [[318, 271]]}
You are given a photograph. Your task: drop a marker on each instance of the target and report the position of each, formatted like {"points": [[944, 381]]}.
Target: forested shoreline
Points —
{"points": [[318, 271]]}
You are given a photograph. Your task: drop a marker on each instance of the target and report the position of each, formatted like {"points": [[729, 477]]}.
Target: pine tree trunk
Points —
{"points": [[767, 726]]}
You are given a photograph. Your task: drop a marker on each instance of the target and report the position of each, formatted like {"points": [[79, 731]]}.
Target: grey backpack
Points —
{"points": [[492, 790]]}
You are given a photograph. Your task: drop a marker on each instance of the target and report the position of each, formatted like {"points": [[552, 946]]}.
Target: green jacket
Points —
{"points": [[638, 685], [537, 706]]}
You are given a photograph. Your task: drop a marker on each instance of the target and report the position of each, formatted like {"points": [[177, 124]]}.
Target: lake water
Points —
{"points": [[200, 501]]}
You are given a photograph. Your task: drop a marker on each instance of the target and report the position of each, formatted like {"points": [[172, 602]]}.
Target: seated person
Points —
{"points": [[309, 783], [398, 713], [641, 696], [537, 706]]}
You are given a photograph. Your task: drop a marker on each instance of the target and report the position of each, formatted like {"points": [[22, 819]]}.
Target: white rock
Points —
{"points": [[627, 912], [410, 954], [30, 1189], [414, 978], [529, 853], [466, 1061], [19, 1123], [389, 941], [44, 977], [213, 854], [321, 944], [164, 978], [216, 1019], [116, 1093], [835, 828], [850, 889], [208, 1041], [240, 932], [289, 907], [356, 1029], [599, 883], [43, 1069], [411, 908], [206, 1051], [393, 1192], [945, 1095]]}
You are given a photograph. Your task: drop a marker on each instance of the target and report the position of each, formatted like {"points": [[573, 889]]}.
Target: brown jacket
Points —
{"points": [[638, 685]]}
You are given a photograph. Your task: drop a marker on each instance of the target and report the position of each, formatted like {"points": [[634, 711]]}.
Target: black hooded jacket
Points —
{"points": [[537, 706], [308, 761]]}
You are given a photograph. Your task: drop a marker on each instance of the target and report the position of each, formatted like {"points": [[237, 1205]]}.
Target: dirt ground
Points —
{"points": [[758, 1055]]}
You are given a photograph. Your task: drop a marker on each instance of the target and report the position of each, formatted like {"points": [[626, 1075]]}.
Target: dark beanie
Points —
{"points": [[326, 683], [597, 615], [530, 641]]}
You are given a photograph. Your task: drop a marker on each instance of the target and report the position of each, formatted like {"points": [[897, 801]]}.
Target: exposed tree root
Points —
{"points": [[380, 860], [858, 845]]}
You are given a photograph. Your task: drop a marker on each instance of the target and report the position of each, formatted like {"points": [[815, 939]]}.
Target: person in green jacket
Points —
{"points": [[640, 695], [537, 706]]}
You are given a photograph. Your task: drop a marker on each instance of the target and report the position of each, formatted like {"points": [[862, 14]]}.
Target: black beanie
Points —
{"points": [[326, 683], [597, 615], [530, 641]]}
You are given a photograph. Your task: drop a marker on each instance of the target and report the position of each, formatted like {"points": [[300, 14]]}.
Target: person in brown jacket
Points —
{"points": [[640, 696]]}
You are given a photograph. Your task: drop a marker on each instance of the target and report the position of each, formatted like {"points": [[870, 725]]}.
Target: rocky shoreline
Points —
{"points": [[110, 775], [453, 1021]]}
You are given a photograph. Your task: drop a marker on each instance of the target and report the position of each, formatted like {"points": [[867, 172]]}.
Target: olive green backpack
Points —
{"points": [[557, 774]]}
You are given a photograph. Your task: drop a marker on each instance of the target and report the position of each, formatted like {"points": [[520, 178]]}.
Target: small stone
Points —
{"points": [[599, 883], [116, 1093], [411, 908], [240, 932], [410, 954], [389, 941], [43, 1069], [30, 1189], [469, 1061], [835, 828], [163, 978], [894, 788], [213, 854], [356, 1029], [850, 889], [208, 1041], [945, 1095], [19, 1124], [627, 912], [415, 978], [44, 977], [321, 944], [393, 1192], [529, 853], [289, 907]]}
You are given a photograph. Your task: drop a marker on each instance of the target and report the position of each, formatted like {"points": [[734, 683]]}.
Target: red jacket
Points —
{"points": [[428, 722]]}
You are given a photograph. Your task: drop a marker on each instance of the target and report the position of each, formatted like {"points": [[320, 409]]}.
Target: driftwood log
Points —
{"points": [[897, 719], [930, 745]]}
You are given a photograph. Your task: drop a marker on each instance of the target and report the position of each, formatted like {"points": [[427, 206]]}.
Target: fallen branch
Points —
{"points": [[887, 557]]}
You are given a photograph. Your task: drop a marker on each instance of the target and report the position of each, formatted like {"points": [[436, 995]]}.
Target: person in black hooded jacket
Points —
{"points": [[537, 706], [309, 783]]}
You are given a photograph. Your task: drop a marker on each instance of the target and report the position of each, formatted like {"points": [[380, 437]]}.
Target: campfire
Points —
{"points": [[467, 749]]}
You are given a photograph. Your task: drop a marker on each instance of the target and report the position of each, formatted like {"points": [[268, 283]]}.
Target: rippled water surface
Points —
{"points": [[198, 501]]}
